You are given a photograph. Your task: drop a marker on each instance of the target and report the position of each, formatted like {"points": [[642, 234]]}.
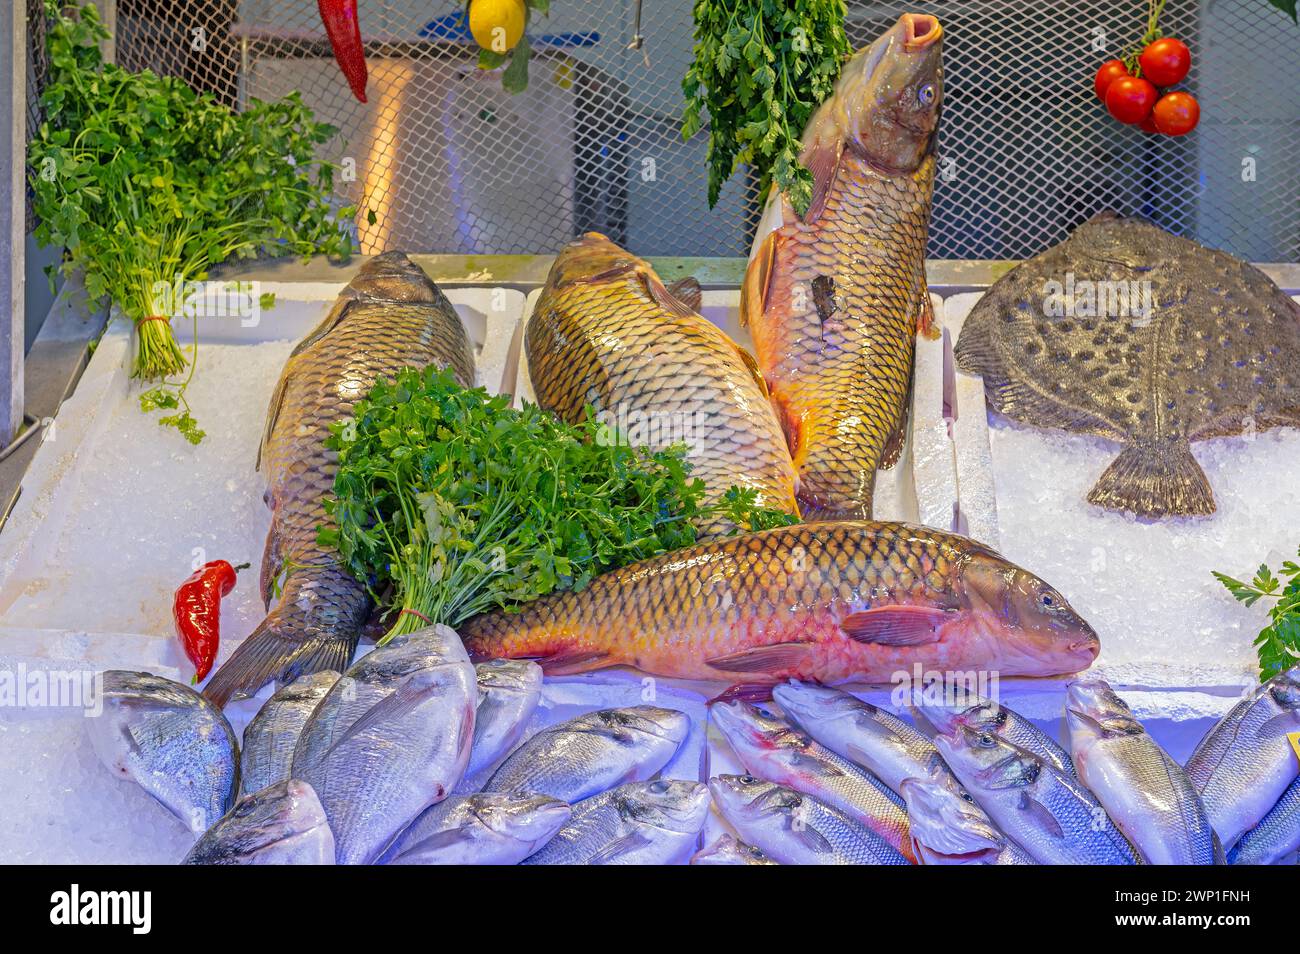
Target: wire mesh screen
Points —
{"points": [[449, 162]]}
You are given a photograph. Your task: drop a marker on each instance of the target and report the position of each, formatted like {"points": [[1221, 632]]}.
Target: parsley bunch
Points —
{"points": [[761, 68], [1278, 643], [146, 183], [449, 503]]}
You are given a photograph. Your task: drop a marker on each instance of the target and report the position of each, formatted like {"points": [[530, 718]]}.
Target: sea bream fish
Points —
{"points": [[834, 298], [485, 828], [1126, 332], [822, 602], [730, 851], [1245, 762], [390, 316], [269, 739], [1145, 792], [170, 741], [1276, 836], [793, 828], [509, 690], [282, 824], [607, 334]]}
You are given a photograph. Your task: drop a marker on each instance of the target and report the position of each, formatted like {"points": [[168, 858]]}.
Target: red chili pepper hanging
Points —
{"points": [[196, 610], [344, 31]]}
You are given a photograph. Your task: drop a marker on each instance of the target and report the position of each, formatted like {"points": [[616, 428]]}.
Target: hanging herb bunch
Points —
{"points": [[500, 28], [761, 67]]}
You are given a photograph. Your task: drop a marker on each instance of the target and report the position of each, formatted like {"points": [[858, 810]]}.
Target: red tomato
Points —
{"points": [[1166, 61], [1130, 99], [1148, 125], [1110, 71], [1176, 114]]}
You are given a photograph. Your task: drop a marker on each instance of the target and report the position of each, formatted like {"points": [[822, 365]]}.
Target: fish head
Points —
{"points": [[669, 725], [589, 259], [945, 819], [392, 276], [727, 849], [810, 704], [1094, 711], [1285, 690], [520, 816], [887, 101], [1028, 625], [987, 762], [754, 734], [671, 804], [753, 801], [284, 821], [509, 675]]}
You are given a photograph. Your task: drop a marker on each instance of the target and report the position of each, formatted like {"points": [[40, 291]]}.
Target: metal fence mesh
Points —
{"points": [[449, 162]]}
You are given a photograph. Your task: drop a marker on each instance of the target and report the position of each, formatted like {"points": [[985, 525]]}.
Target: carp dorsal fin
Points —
{"points": [[327, 323]]}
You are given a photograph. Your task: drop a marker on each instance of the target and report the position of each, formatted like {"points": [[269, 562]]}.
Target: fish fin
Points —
{"points": [[273, 413], [823, 161], [1281, 721], [751, 363], [895, 625], [272, 565], [762, 658], [811, 839], [1042, 815], [894, 448], [688, 291], [744, 692], [1152, 482], [758, 281], [665, 299], [567, 664], [815, 767], [926, 326], [267, 654], [397, 704], [438, 841], [628, 843]]}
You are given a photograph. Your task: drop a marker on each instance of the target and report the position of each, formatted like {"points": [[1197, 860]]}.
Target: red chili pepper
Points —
{"points": [[344, 31], [196, 610]]}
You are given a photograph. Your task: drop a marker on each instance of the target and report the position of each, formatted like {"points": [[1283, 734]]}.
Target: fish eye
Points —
{"points": [[925, 95], [1047, 601], [748, 779]]}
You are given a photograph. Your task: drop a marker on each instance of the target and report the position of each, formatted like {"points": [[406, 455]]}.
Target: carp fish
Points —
{"points": [[390, 316], [834, 298], [607, 333]]}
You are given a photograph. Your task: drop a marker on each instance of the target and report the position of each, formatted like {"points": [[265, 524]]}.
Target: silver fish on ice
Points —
{"points": [[283, 824]]}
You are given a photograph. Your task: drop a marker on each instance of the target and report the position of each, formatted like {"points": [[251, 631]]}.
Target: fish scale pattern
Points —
{"points": [[659, 373], [836, 337]]}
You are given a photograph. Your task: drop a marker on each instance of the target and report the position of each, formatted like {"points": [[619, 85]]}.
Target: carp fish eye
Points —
{"points": [[926, 94]]}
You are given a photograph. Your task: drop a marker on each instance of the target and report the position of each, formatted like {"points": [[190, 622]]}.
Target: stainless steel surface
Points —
{"points": [[13, 220]]}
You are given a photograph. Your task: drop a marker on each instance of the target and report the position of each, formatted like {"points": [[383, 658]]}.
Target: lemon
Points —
{"points": [[497, 25]]}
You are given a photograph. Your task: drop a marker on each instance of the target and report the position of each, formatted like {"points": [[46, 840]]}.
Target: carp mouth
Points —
{"points": [[920, 31]]}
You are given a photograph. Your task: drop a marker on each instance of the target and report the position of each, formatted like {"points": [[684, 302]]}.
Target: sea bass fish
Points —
{"points": [[1276, 836], [390, 316], [1129, 333], [878, 741], [390, 739], [821, 602], [795, 829], [480, 829], [593, 752], [1245, 762], [1145, 792], [282, 824], [984, 716], [640, 823], [270, 738], [834, 298], [1049, 814], [948, 828], [772, 750], [607, 333], [728, 850], [509, 690], [170, 741]]}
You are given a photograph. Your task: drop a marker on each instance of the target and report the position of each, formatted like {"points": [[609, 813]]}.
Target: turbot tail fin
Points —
{"points": [[1155, 482], [267, 655]]}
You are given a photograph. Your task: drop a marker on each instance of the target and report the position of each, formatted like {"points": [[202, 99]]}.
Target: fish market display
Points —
{"points": [[834, 298], [480, 829], [390, 316], [1127, 332], [282, 824], [607, 333], [169, 740], [728, 850], [270, 738], [987, 717], [390, 739], [873, 599], [640, 823], [1276, 836], [1245, 762], [775, 752], [509, 692], [1046, 812], [795, 829], [1145, 792], [948, 828], [594, 752], [877, 740]]}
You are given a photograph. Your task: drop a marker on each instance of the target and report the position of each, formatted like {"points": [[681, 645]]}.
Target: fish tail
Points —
{"points": [[270, 654], [1153, 481]]}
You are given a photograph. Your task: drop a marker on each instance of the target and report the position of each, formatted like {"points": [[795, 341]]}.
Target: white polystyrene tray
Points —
{"points": [[1144, 585], [114, 509], [921, 487]]}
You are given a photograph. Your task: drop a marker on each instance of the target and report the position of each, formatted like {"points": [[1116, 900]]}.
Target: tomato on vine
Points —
{"points": [[1176, 114], [1166, 61]]}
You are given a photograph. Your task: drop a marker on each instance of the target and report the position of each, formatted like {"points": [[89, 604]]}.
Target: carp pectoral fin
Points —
{"points": [[750, 362], [272, 566], [775, 658], [273, 412], [823, 161], [894, 447], [1155, 482], [895, 625], [758, 279], [925, 325], [688, 291], [1042, 816], [664, 298], [567, 664], [744, 692]]}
